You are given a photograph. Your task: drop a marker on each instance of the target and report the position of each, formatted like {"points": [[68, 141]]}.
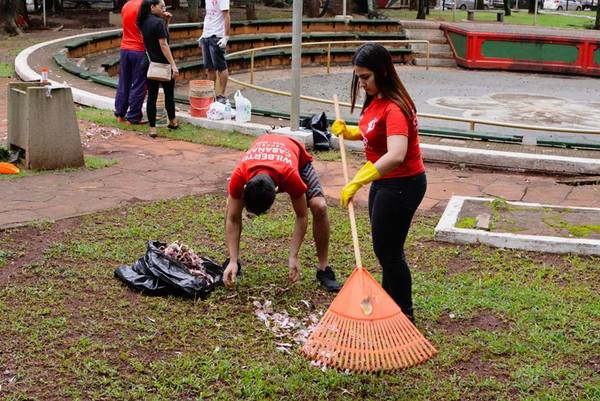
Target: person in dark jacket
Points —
{"points": [[153, 21]]}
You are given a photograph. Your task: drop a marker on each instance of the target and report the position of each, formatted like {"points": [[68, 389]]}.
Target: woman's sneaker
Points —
{"points": [[327, 280]]}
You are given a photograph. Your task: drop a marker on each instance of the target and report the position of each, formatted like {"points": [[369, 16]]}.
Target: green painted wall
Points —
{"points": [[529, 51], [597, 56], [460, 44]]}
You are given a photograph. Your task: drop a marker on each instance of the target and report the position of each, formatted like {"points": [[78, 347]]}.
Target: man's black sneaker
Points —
{"points": [[327, 280]]}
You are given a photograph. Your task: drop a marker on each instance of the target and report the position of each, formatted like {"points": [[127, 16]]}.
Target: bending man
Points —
{"points": [[276, 163]]}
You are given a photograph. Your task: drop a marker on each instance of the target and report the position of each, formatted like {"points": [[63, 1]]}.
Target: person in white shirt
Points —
{"points": [[215, 34]]}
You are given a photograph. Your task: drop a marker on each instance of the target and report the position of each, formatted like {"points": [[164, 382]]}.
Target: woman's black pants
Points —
{"points": [[392, 205], [169, 89]]}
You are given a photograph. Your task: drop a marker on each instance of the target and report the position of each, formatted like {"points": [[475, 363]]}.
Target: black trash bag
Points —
{"points": [[318, 124], [156, 274]]}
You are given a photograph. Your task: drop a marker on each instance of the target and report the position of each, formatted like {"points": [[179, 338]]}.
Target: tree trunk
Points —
{"points": [[311, 8], [507, 7], [421, 13], [250, 10], [336, 7], [597, 25], [8, 13], [175, 4], [479, 5], [193, 11], [532, 6]]}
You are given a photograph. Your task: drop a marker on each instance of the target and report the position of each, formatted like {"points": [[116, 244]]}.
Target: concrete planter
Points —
{"points": [[447, 232]]}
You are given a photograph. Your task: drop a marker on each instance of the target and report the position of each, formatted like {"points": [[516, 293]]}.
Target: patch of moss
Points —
{"points": [[580, 231], [583, 230], [466, 222]]}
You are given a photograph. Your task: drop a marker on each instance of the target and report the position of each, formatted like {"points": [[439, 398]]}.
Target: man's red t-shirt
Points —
{"points": [[278, 156], [383, 118], [132, 37]]}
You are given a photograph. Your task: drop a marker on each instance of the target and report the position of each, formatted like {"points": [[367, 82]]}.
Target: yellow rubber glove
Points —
{"points": [[339, 127], [366, 174]]}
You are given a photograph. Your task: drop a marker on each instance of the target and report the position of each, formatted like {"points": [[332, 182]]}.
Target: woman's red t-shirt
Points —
{"points": [[278, 156], [383, 118]]}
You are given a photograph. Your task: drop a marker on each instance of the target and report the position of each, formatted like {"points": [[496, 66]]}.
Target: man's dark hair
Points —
{"points": [[259, 194]]}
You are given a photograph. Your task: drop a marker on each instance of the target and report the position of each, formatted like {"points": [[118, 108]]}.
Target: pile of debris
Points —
{"points": [[287, 329], [93, 132], [182, 253]]}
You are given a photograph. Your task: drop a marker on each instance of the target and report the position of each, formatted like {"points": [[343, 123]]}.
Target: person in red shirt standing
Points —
{"points": [[131, 89], [388, 129], [275, 163]]}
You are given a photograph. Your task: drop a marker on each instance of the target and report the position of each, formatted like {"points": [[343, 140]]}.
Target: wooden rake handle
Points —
{"points": [[346, 180]]}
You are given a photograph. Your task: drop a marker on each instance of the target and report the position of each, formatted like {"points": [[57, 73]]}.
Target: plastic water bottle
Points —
{"points": [[227, 111]]}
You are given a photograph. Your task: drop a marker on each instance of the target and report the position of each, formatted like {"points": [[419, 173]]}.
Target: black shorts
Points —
{"points": [[213, 55], [311, 179]]}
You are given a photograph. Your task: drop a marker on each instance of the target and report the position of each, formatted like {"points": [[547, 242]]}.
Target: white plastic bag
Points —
{"points": [[243, 108], [215, 111]]}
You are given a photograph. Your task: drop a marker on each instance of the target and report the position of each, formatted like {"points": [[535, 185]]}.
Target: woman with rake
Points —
{"points": [[388, 129]]}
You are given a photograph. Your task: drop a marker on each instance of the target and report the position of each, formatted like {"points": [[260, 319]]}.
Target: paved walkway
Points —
{"points": [[163, 169]]}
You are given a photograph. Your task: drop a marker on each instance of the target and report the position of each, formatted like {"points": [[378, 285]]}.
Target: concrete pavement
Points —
{"points": [[157, 169]]}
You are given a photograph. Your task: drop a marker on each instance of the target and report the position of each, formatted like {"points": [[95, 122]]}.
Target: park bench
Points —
{"points": [[499, 14]]}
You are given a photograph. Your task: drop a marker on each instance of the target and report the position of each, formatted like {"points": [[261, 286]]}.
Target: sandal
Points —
{"points": [[172, 126]]}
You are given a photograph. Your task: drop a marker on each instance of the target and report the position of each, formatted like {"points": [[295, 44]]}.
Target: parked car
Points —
{"points": [[465, 4], [560, 5], [589, 4], [500, 3], [520, 4]]}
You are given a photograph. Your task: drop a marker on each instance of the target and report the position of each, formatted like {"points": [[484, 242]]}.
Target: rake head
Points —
{"points": [[360, 337]]}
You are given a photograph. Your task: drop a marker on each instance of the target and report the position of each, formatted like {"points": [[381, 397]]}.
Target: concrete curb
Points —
{"points": [[511, 160], [26, 73], [447, 232], [434, 153]]}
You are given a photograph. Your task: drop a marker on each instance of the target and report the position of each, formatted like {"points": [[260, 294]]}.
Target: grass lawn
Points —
{"points": [[91, 163], [509, 325], [522, 17], [188, 132], [6, 70]]}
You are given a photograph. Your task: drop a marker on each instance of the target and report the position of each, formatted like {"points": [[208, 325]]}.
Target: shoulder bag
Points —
{"points": [[159, 71]]}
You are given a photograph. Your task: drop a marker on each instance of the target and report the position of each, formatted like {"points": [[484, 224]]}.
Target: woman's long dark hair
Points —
{"points": [[145, 11], [377, 59]]}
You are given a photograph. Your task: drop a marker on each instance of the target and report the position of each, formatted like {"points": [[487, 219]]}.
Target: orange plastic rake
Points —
{"points": [[364, 330]]}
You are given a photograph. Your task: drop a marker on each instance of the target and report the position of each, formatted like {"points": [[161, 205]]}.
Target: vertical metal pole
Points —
{"points": [[454, 11], [328, 56], [296, 64], [535, 12], [44, 7], [252, 67], [344, 9]]}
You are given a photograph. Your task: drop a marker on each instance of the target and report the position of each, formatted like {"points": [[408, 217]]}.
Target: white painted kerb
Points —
{"points": [[446, 231]]}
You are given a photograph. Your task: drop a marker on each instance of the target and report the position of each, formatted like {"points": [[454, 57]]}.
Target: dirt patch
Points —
{"points": [[594, 364], [526, 220], [485, 320], [478, 366], [25, 245]]}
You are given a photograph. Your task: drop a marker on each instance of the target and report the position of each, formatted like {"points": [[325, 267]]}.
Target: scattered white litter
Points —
{"points": [[289, 330]]}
